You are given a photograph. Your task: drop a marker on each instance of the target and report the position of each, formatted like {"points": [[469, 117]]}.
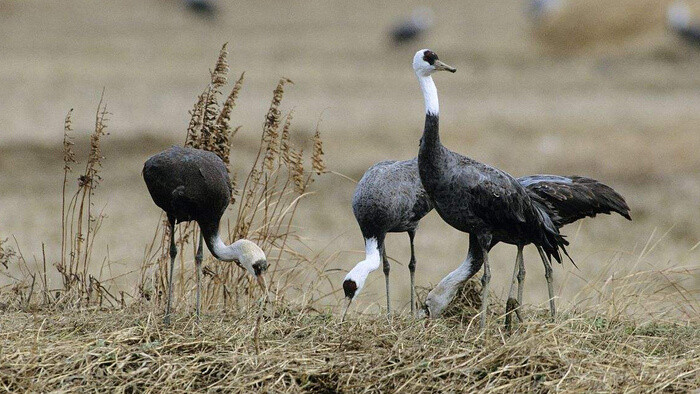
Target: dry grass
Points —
{"points": [[310, 351], [585, 24]]}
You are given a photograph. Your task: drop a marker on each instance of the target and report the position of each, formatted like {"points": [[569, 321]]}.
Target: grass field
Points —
{"points": [[623, 111]]}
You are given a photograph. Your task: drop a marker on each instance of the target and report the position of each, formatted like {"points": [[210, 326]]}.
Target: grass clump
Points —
{"points": [[308, 351]]}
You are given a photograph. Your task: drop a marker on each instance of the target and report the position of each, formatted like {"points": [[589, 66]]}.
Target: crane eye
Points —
{"points": [[426, 310], [430, 57]]}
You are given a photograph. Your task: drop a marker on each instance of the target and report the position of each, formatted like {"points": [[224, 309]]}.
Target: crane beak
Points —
{"points": [[263, 285], [345, 311], [440, 66]]}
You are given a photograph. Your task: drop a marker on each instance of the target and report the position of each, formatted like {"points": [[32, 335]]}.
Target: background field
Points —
{"points": [[624, 112]]}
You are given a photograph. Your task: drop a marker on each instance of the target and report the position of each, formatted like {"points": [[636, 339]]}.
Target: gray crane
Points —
{"points": [[391, 198], [388, 199], [475, 198], [193, 184], [411, 29]]}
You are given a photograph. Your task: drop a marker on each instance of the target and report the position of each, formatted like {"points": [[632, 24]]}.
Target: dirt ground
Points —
{"points": [[625, 113]]}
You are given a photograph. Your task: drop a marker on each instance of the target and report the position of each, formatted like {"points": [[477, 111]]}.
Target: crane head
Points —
{"points": [[426, 62]]}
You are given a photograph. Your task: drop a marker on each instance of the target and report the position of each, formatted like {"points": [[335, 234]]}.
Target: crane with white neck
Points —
{"points": [[475, 198], [193, 184], [388, 199]]}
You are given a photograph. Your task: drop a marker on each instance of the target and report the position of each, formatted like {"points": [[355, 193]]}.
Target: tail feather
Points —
{"points": [[568, 199], [553, 243]]}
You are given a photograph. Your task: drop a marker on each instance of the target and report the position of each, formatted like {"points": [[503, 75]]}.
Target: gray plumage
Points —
{"points": [[205, 8], [568, 199], [189, 184], [482, 200], [539, 10], [411, 29], [681, 22], [390, 199]]}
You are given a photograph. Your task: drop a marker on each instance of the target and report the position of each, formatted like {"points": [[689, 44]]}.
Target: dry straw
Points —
{"points": [[308, 351]]}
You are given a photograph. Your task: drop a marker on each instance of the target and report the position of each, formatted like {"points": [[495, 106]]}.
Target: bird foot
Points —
{"points": [[512, 307]]}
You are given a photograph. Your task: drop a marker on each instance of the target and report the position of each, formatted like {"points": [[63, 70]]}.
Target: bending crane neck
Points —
{"points": [[216, 245]]}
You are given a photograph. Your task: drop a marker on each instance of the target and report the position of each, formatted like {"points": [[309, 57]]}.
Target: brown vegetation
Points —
{"points": [[629, 316]]}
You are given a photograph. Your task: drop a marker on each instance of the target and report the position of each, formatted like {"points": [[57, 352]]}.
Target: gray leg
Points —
{"points": [[548, 276], [386, 277], [198, 263], [485, 289], [173, 253], [512, 305], [412, 271], [521, 275]]}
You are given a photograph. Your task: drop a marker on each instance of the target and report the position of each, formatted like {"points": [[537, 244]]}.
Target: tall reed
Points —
{"points": [[264, 207]]}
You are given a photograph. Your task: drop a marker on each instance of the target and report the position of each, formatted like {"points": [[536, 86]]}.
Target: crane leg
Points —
{"points": [[173, 253], [385, 261], [485, 289], [513, 305], [521, 276], [198, 263], [548, 276], [412, 271]]}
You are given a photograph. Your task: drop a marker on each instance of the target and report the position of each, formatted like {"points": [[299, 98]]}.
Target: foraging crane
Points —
{"points": [[388, 198], [680, 21], [193, 184], [409, 30], [475, 198]]}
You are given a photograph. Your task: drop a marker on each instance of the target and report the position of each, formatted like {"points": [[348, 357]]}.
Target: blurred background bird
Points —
{"points": [[410, 30], [683, 23], [204, 8]]}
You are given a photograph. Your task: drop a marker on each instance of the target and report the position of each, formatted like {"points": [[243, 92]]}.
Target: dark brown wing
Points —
{"points": [[568, 199]]}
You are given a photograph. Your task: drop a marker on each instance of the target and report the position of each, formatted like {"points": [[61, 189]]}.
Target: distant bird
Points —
{"points": [[566, 200], [539, 10], [411, 29], [388, 199], [193, 184], [206, 8], [680, 20], [472, 197]]}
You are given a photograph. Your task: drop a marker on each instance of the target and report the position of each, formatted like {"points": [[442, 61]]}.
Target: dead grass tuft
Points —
{"points": [[576, 25], [309, 351]]}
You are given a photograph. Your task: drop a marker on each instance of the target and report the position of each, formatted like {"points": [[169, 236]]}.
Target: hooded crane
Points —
{"points": [[193, 184], [475, 198], [566, 200], [392, 190], [388, 199]]}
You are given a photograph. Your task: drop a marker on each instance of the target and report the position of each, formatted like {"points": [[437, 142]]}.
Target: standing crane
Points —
{"points": [[475, 198]]}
